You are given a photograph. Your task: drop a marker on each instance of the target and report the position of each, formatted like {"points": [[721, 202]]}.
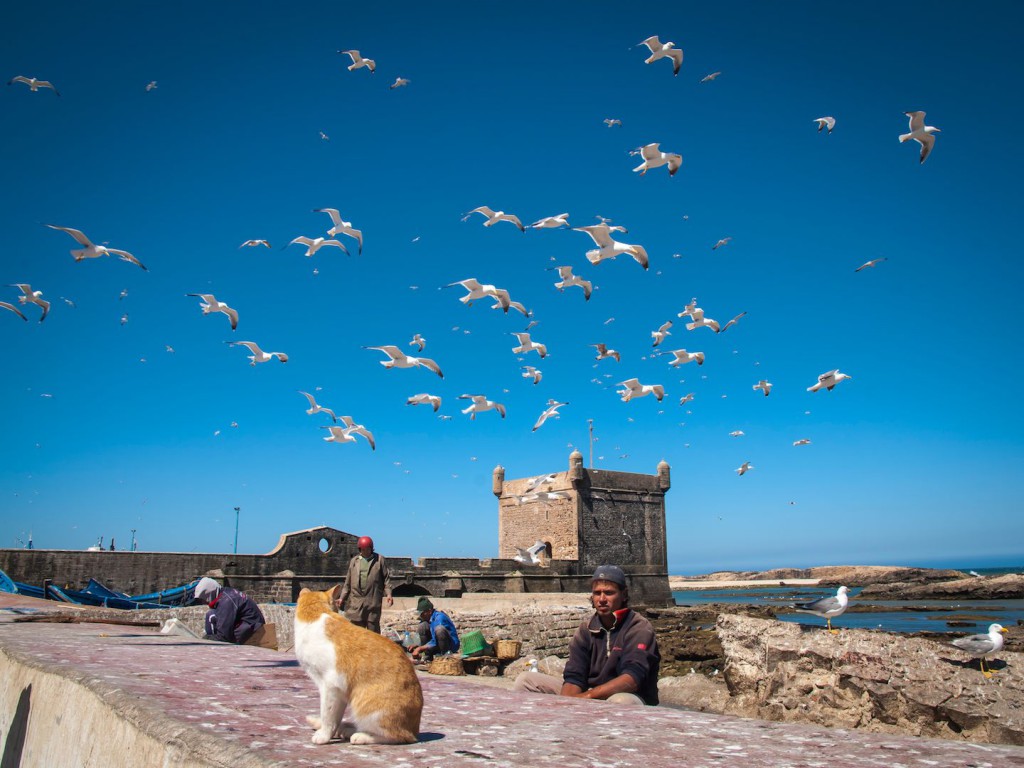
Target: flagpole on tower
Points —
{"points": [[590, 428]]}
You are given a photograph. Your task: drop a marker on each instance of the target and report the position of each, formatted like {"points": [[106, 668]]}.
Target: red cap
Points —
{"points": [[364, 541]]}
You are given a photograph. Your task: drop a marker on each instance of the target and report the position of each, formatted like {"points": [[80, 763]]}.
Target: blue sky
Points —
{"points": [[916, 459]]}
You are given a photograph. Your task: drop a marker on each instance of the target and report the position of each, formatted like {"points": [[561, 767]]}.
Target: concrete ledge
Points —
{"points": [[110, 695]]}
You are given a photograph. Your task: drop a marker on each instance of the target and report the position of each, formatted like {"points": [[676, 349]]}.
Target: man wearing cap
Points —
{"points": [[613, 655], [233, 616], [367, 586], [437, 631]]}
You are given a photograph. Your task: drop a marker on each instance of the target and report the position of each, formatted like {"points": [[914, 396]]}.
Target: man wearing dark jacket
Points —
{"points": [[613, 655], [233, 616], [367, 586]]}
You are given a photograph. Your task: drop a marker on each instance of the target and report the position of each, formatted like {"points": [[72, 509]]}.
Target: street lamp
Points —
{"points": [[237, 509]]}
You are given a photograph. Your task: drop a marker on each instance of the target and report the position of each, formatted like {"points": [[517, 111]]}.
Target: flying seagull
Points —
{"points": [[737, 433], [91, 251], [611, 122], [872, 263], [398, 359], [827, 607], [920, 133], [603, 352], [358, 61], [314, 407], [569, 280], [802, 441], [418, 341], [829, 379], [531, 555], [477, 290], [709, 78], [254, 243], [33, 83], [655, 158], [983, 646], [744, 468], [552, 222], [210, 304], [552, 410], [607, 248], [400, 82], [32, 297], [425, 399], [258, 355], [682, 357], [764, 385], [493, 217], [633, 388], [480, 404], [314, 244], [13, 309], [720, 243], [661, 50], [344, 434], [529, 372], [341, 227], [825, 122], [526, 344]]}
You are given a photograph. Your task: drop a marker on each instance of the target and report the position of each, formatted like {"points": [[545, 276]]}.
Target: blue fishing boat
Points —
{"points": [[99, 595]]}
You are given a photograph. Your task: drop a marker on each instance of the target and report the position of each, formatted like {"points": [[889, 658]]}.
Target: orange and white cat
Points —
{"points": [[357, 669]]}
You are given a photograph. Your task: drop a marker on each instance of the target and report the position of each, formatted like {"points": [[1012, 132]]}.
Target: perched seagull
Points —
{"points": [[720, 243], [686, 398], [344, 434], [210, 304], [731, 322], [481, 404], [400, 82], [254, 243], [920, 133], [737, 433], [91, 251], [603, 352], [425, 399], [655, 158], [315, 408], [660, 51], [529, 372], [478, 290], [493, 217], [531, 555], [829, 379], [611, 122], [802, 441], [32, 297], [825, 122], [983, 646], [151, 86], [872, 263], [358, 61], [13, 309], [607, 248], [682, 357], [660, 334], [633, 388], [258, 355], [314, 244], [419, 342], [552, 410], [341, 227], [764, 385], [744, 468], [551, 222], [527, 345], [569, 280], [398, 359], [33, 83], [709, 78], [827, 607]]}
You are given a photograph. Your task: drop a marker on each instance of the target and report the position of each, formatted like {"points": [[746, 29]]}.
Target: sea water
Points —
{"points": [[952, 616]]}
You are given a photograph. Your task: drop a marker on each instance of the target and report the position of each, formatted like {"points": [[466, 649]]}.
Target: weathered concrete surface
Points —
{"points": [[872, 681], [108, 695]]}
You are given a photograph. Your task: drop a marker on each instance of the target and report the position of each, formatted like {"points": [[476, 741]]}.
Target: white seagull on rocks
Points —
{"points": [[526, 344], [661, 50], [920, 133], [33, 83], [258, 355], [569, 280], [398, 359], [341, 227], [481, 404], [633, 388], [551, 222], [209, 304], [314, 407], [92, 251], [655, 158], [14, 309], [764, 385], [603, 352], [314, 244], [32, 297], [424, 399], [552, 410], [682, 357], [358, 61], [493, 217], [827, 607], [825, 122], [983, 646], [829, 379], [607, 248]]}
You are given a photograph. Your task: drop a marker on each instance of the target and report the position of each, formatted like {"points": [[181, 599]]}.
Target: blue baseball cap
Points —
{"points": [[610, 573]]}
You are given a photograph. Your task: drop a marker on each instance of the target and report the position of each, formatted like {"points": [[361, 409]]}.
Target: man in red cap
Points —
{"points": [[367, 586]]}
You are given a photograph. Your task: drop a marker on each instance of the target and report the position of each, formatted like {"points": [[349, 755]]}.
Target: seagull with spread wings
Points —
{"points": [[14, 309], [720, 243], [92, 251], [314, 244], [872, 263], [480, 404], [314, 407], [344, 434], [825, 122], [529, 372], [526, 344], [209, 304], [418, 341], [493, 217], [424, 399], [828, 380], [400, 82], [32, 83], [477, 290], [398, 359], [552, 222], [254, 243], [551, 410], [258, 355], [633, 388], [655, 158], [764, 385], [682, 357], [744, 468], [607, 248], [341, 227], [660, 334], [920, 133], [569, 280], [358, 61], [661, 50], [603, 352], [32, 297]]}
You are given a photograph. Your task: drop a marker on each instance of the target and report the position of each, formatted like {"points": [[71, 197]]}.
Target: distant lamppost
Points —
{"points": [[135, 544], [237, 509]]}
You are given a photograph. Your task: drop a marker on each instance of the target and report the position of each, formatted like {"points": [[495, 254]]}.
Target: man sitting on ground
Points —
{"points": [[233, 616], [438, 635], [613, 655]]}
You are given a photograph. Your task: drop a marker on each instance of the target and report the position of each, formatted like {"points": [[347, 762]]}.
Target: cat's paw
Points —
{"points": [[313, 721], [361, 737], [321, 736]]}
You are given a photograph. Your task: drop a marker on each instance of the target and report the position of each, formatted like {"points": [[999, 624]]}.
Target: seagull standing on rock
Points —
{"points": [[983, 646], [827, 607]]}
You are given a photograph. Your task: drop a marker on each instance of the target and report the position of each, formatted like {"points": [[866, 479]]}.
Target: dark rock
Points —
{"points": [[1008, 587]]}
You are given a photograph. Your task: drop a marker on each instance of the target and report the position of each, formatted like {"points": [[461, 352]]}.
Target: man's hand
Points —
{"points": [[389, 600]]}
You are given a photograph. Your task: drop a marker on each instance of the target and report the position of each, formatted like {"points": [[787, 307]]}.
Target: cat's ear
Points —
{"points": [[303, 591], [335, 592]]}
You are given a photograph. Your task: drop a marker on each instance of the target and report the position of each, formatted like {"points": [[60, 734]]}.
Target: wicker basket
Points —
{"points": [[447, 665], [507, 649]]}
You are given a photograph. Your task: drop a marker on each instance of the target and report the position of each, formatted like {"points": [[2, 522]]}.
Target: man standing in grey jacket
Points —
{"points": [[367, 586]]}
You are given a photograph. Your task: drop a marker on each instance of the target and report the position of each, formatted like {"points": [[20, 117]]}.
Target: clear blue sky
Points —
{"points": [[916, 459]]}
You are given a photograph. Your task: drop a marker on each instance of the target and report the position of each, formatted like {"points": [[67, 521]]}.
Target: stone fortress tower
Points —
{"points": [[592, 517]]}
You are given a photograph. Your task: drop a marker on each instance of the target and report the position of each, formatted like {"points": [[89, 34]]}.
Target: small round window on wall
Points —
{"points": [[325, 546]]}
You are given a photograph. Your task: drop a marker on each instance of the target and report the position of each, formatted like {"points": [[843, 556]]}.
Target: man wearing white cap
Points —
{"points": [[233, 616], [613, 655]]}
